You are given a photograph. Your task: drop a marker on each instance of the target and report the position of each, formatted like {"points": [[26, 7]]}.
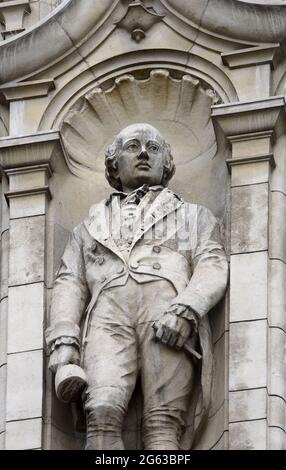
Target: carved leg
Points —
{"points": [[104, 422], [167, 382], [110, 363]]}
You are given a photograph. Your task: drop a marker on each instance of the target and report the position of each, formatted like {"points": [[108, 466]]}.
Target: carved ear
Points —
{"points": [[169, 165]]}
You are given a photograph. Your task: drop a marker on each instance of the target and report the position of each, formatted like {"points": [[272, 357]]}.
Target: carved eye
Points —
{"points": [[132, 147], [154, 148]]}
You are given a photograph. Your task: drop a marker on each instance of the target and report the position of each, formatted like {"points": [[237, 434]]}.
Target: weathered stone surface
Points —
{"points": [[253, 20], [28, 206], [2, 440], [277, 355], [278, 182], [252, 85], [220, 385], [5, 244], [26, 258], [248, 355], [249, 218], [25, 434], [248, 280], [248, 435], [26, 318], [277, 412], [27, 178], [251, 173], [25, 373], [277, 440], [277, 249], [3, 382], [222, 443], [217, 424], [247, 405], [277, 298], [219, 319], [3, 330], [59, 440]]}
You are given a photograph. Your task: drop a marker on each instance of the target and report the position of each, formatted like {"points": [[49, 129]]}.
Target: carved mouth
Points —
{"points": [[143, 165]]}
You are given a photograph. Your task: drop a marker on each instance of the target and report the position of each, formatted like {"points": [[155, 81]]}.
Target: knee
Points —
{"points": [[104, 426], [103, 414]]}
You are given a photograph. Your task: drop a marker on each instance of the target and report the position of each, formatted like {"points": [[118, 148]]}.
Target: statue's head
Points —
{"points": [[139, 155]]}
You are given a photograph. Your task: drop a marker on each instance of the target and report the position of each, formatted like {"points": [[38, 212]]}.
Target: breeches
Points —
{"points": [[121, 345]]}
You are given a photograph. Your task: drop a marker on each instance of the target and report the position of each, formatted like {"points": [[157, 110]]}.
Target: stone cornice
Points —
{"points": [[32, 51], [251, 56], [26, 90], [30, 150], [28, 192], [252, 159], [249, 116]]}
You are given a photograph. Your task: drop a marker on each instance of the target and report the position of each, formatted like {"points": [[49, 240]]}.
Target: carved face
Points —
{"points": [[142, 157]]}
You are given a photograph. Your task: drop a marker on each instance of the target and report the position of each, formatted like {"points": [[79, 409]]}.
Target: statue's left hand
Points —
{"points": [[173, 330], [63, 355]]}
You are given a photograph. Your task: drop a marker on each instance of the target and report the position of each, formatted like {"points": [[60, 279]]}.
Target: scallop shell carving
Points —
{"points": [[179, 108]]}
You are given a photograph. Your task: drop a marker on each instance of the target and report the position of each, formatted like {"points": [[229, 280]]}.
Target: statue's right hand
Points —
{"points": [[63, 355]]}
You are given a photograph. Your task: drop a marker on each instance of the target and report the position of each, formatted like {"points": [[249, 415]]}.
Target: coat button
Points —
{"points": [[157, 266], [129, 241], [101, 260], [120, 270], [103, 279], [156, 249], [135, 266]]}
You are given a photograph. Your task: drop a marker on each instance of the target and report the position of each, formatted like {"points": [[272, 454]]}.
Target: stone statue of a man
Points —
{"points": [[137, 279]]}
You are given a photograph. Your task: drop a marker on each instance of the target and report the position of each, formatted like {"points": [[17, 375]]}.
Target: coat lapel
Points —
{"points": [[165, 203], [98, 224]]}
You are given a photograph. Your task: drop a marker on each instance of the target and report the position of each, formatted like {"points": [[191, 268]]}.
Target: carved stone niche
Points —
{"points": [[180, 108], [179, 105]]}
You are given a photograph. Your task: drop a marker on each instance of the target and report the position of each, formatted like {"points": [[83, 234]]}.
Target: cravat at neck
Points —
{"points": [[136, 196]]}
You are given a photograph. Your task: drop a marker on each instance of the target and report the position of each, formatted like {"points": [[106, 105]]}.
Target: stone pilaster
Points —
{"points": [[27, 101], [12, 13], [3, 307], [27, 164], [250, 70], [253, 351]]}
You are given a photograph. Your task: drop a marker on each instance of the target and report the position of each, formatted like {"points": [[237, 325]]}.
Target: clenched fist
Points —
{"points": [[63, 355], [172, 329]]}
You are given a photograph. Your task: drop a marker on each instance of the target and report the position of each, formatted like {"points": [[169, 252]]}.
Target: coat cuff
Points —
{"points": [[67, 340], [189, 314], [62, 329]]}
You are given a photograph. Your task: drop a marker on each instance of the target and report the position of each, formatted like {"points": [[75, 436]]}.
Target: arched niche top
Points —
{"points": [[61, 32], [254, 21], [73, 21], [179, 107]]}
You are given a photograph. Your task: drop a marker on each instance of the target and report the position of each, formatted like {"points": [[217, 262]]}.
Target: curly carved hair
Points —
{"points": [[113, 152]]}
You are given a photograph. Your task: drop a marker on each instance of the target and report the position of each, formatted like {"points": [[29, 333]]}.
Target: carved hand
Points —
{"points": [[173, 330], [62, 355]]}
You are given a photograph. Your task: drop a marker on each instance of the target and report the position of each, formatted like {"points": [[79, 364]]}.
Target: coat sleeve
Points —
{"points": [[210, 267], [70, 293]]}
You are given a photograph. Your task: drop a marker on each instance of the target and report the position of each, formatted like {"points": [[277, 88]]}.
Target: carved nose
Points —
{"points": [[143, 154]]}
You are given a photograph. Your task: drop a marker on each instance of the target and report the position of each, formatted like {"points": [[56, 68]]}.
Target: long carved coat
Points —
{"points": [[176, 241]]}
